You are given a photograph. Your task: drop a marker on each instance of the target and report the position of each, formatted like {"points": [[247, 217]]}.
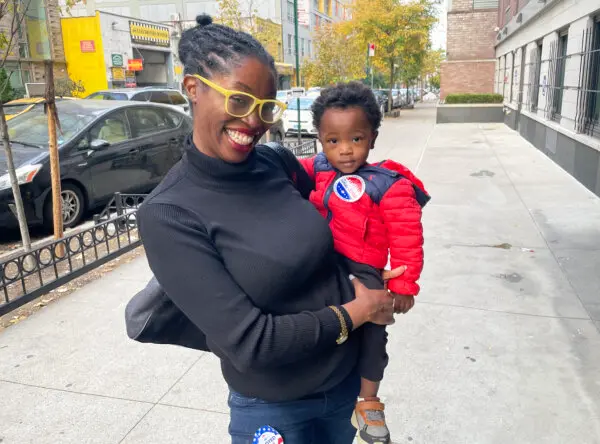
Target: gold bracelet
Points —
{"points": [[344, 333]]}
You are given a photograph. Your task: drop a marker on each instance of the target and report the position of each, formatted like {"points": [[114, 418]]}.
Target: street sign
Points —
{"points": [[117, 60], [303, 12], [297, 92], [135, 65], [118, 74], [371, 49]]}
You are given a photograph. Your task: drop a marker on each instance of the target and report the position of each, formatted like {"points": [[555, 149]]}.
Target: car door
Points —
{"points": [[155, 130], [113, 156]]}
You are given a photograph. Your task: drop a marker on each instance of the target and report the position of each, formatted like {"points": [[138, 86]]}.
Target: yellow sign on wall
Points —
{"points": [[146, 34], [118, 74]]}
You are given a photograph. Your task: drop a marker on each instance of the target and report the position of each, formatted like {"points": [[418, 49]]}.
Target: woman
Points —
{"points": [[249, 261]]}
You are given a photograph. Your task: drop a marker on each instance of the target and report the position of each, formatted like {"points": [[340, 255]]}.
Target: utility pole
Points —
{"points": [[297, 68]]}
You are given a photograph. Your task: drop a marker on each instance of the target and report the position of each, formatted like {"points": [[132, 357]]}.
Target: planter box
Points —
{"points": [[470, 113]]}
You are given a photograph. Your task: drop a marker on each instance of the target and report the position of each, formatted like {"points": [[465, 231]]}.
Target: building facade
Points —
{"points": [[548, 70], [37, 39], [112, 51], [470, 58]]}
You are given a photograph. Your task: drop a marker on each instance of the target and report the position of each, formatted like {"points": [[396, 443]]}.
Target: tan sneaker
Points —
{"points": [[369, 420]]}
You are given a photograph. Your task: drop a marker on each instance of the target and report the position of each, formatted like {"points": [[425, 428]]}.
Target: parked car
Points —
{"points": [[152, 94], [382, 100], [105, 147], [17, 107], [290, 117]]}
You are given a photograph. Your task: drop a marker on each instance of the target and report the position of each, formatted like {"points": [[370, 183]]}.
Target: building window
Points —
{"points": [[302, 47], [507, 15], [485, 4], [289, 45], [587, 120], [535, 69], [290, 11], [558, 57]]}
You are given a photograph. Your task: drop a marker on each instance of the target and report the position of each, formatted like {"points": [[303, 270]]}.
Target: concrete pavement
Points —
{"points": [[501, 346]]}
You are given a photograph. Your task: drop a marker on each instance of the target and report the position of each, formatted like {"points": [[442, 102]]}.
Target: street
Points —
{"points": [[502, 345]]}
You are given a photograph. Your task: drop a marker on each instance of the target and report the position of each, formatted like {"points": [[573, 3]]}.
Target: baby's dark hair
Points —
{"points": [[347, 95], [210, 48]]}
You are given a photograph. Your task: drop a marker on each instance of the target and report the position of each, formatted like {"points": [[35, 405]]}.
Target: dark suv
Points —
{"points": [[165, 96]]}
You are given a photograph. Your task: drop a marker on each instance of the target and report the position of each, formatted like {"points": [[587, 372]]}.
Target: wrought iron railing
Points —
{"points": [[25, 277], [120, 204], [304, 149]]}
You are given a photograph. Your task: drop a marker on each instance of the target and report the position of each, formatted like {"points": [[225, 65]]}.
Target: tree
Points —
{"points": [[338, 58], [244, 17], [400, 31], [66, 87], [8, 93], [434, 81], [13, 16]]}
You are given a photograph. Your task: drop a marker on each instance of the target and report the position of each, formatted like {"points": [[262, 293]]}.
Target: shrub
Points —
{"points": [[474, 98]]}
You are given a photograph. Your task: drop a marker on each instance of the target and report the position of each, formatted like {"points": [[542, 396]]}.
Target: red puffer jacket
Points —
{"points": [[372, 212]]}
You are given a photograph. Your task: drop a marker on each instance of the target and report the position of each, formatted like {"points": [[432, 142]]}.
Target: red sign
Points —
{"points": [[87, 46], [371, 49], [135, 65]]}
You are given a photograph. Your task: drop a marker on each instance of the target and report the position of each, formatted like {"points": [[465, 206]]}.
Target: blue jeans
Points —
{"points": [[323, 418]]}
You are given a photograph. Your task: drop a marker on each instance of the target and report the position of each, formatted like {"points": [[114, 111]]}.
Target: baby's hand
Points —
{"points": [[403, 303]]}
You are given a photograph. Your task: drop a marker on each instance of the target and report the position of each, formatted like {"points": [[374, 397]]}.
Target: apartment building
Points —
{"points": [[548, 69], [38, 38], [470, 59]]}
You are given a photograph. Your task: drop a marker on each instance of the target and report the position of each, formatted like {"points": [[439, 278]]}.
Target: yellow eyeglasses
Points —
{"points": [[241, 104]]}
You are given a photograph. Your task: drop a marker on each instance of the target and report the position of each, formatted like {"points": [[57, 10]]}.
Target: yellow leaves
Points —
{"points": [[399, 29], [339, 57]]}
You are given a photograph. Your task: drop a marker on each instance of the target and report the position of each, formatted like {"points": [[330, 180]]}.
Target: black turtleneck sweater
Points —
{"points": [[252, 264]]}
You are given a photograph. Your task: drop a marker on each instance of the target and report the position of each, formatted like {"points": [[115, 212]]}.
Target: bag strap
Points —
{"points": [[294, 170]]}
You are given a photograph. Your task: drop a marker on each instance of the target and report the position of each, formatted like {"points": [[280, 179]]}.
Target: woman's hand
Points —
{"points": [[376, 306]]}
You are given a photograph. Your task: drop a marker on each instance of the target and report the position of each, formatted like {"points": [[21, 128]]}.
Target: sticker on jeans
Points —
{"points": [[267, 435], [349, 188]]}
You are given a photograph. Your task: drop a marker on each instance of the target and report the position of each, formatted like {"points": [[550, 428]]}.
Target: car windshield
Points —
{"points": [[11, 110], [304, 103], [32, 128]]}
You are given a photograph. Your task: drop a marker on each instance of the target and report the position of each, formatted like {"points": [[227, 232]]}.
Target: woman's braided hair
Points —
{"points": [[210, 48]]}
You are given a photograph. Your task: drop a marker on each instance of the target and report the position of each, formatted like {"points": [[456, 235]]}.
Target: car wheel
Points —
{"points": [[73, 206]]}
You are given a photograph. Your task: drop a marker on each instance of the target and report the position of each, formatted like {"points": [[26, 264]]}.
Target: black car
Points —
{"points": [[104, 147]]}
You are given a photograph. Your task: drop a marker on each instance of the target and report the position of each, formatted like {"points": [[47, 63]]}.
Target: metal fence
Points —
{"points": [[587, 119], [25, 277], [304, 149]]}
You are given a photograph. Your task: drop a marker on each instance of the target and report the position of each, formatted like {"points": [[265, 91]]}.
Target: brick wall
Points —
{"points": [[471, 35], [467, 77]]}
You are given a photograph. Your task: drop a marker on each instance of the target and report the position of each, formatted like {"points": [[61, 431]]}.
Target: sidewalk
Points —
{"points": [[500, 348]]}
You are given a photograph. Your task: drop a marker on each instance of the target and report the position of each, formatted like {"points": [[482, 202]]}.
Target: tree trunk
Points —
{"points": [[14, 183], [57, 216]]}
